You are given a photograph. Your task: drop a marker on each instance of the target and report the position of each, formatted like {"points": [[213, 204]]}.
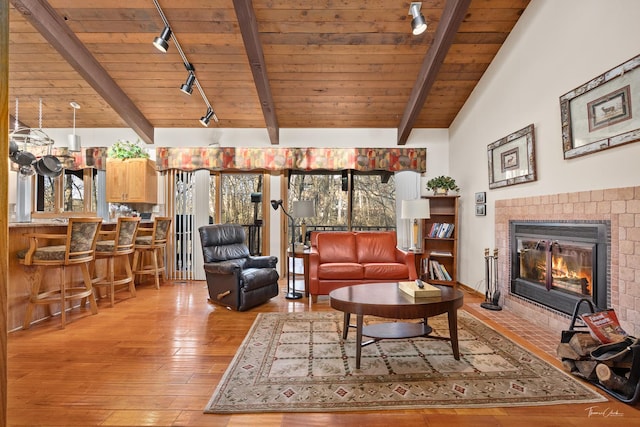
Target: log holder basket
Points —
{"points": [[634, 372]]}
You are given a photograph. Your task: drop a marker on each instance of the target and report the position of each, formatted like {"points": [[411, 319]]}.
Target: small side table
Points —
{"points": [[304, 255]]}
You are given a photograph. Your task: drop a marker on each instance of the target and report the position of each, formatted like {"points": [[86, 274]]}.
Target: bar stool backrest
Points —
{"points": [[82, 234]]}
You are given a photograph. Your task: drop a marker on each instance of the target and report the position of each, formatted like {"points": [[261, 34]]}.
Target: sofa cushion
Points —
{"points": [[376, 247], [340, 270], [337, 247], [386, 270]]}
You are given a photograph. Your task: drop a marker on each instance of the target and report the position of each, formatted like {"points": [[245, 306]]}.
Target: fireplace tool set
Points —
{"points": [[492, 294]]}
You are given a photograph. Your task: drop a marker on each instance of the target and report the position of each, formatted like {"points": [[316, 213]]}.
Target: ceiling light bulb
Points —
{"points": [[207, 117], [187, 87], [418, 23], [162, 43]]}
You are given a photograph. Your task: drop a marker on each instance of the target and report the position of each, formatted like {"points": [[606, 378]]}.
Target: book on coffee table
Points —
{"points": [[415, 291]]}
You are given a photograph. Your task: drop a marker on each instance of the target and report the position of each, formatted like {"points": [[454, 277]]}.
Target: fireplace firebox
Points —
{"points": [[556, 264]]}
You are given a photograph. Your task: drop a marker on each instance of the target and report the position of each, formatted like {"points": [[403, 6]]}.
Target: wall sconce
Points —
{"points": [[418, 23]]}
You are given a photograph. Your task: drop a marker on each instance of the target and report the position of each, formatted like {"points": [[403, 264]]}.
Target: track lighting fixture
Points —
{"points": [[207, 117], [187, 87], [162, 43], [418, 23]]}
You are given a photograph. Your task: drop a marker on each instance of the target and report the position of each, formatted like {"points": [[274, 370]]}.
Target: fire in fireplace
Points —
{"points": [[557, 264]]}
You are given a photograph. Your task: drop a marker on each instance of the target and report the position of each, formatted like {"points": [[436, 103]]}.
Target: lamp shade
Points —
{"points": [[412, 209], [303, 209]]}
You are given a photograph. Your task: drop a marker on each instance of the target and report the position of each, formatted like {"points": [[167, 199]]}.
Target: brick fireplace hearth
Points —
{"points": [[620, 206]]}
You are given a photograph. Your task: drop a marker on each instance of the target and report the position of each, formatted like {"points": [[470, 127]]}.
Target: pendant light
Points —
{"points": [[74, 140]]}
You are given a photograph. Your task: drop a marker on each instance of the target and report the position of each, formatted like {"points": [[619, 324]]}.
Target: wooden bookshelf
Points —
{"points": [[442, 247]]}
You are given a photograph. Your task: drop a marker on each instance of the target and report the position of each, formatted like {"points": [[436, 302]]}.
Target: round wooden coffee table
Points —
{"points": [[388, 301]]}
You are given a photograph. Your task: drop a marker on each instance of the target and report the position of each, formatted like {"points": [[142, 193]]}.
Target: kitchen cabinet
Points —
{"points": [[132, 181]]}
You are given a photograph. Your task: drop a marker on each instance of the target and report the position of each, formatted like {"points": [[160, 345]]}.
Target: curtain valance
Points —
{"points": [[282, 158]]}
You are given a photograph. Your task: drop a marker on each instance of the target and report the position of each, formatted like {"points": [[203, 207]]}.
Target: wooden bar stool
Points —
{"points": [[151, 243], [76, 250], [112, 245]]}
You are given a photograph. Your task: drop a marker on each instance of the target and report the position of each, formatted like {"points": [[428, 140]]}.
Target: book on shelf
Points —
{"points": [[441, 230], [438, 271], [440, 253]]}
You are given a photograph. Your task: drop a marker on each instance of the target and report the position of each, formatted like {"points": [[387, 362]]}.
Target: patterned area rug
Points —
{"points": [[298, 362]]}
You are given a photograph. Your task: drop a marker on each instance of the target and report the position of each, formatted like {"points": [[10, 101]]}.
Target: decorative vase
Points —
{"points": [[440, 191]]}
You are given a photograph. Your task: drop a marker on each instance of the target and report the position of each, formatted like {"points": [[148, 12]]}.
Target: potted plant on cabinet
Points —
{"points": [[442, 184], [123, 149]]}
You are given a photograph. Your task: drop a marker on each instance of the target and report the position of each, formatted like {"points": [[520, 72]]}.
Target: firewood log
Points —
{"points": [[583, 343], [587, 368], [613, 381], [569, 365], [564, 351]]}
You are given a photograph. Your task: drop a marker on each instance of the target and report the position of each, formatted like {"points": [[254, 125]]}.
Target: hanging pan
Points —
{"points": [[49, 166], [23, 158]]}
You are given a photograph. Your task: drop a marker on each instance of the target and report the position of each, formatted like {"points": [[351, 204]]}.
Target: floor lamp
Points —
{"points": [[415, 210], [291, 291]]}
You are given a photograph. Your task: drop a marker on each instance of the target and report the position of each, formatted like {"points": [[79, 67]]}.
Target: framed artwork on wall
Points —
{"points": [[481, 197], [602, 113], [511, 159], [481, 210]]}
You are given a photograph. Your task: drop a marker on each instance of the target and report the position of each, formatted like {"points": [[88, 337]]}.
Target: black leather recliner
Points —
{"points": [[235, 278]]}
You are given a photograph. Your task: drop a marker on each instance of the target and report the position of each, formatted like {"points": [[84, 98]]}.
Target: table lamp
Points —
{"points": [[303, 209], [415, 210]]}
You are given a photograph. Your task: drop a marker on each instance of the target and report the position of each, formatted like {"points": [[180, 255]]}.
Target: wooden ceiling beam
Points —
{"points": [[251, 38], [452, 16], [54, 29]]}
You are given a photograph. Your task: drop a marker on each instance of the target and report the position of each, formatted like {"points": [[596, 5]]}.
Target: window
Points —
{"points": [[72, 191], [346, 200], [237, 198]]}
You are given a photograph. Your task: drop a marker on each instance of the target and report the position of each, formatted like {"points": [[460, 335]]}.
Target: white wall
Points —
{"points": [[555, 47]]}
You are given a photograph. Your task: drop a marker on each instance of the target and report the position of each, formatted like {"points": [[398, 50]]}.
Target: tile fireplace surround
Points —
{"points": [[621, 206]]}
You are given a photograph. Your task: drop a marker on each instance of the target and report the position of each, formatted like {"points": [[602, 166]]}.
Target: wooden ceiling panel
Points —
{"points": [[327, 63]]}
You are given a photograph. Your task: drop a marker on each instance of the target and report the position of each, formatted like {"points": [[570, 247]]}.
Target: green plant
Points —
{"points": [[444, 182], [123, 149]]}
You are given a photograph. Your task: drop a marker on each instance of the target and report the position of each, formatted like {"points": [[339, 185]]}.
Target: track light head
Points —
{"points": [[187, 87], [204, 120], [418, 23], [162, 43]]}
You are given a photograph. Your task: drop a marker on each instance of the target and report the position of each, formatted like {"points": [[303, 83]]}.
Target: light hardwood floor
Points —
{"points": [[156, 359]]}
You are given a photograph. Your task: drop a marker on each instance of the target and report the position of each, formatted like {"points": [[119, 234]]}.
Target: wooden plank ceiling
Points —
{"points": [[262, 63]]}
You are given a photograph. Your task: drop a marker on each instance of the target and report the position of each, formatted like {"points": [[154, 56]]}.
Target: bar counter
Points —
{"points": [[18, 285]]}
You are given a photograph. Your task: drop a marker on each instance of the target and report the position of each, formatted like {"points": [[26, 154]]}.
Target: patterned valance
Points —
{"points": [[281, 158]]}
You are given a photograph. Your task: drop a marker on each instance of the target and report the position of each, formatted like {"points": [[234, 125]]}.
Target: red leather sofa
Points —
{"points": [[343, 258]]}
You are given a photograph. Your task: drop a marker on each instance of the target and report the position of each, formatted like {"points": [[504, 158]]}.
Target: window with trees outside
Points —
{"points": [[72, 191], [346, 200], [239, 201]]}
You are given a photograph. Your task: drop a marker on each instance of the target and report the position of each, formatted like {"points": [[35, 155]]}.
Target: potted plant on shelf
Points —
{"points": [[123, 149], [442, 184]]}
